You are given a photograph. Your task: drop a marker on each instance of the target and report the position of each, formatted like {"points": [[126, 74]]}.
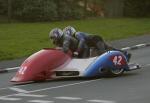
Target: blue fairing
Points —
{"points": [[104, 61]]}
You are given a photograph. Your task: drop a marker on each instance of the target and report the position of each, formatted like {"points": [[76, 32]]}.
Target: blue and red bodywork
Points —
{"points": [[106, 61], [47, 63]]}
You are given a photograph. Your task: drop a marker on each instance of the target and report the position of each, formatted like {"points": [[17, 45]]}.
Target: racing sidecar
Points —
{"points": [[53, 63]]}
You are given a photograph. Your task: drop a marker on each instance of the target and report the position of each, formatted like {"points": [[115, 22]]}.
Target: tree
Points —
{"points": [[9, 11], [137, 8], [85, 8], [114, 8]]}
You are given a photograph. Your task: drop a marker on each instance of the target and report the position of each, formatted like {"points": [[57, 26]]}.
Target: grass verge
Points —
{"points": [[22, 39]]}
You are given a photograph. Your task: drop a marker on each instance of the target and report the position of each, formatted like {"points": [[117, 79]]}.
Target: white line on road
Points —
{"points": [[100, 101], [140, 45], [146, 65], [30, 95], [18, 90], [61, 86], [13, 68], [14, 86], [40, 101], [68, 98], [126, 48], [56, 87], [10, 99]]}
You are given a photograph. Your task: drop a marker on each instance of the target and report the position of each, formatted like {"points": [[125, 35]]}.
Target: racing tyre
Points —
{"points": [[116, 72]]}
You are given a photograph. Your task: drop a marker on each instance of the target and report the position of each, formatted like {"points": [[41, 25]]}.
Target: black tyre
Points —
{"points": [[116, 72]]}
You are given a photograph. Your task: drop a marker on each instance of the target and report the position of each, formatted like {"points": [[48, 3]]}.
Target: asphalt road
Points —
{"points": [[132, 87]]}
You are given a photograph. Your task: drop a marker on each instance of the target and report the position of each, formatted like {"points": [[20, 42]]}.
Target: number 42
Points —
{"points": [[117, 60]]}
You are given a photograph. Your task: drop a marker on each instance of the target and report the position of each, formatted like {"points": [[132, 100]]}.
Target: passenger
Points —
{"points": [[82, 48]]}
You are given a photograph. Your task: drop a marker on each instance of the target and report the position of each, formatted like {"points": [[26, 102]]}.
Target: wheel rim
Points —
{"points": [[117, 71]]}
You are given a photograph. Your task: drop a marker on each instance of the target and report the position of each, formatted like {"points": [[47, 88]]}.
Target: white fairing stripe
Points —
{"points": [[77, 65]]}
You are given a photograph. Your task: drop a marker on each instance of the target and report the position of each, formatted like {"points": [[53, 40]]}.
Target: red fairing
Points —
{"points": [[39, 66]]}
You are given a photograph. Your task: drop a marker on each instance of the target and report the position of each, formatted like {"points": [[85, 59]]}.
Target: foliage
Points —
{"points": [[43, 10], [69, 9], [53, 10], [34, 10], [3, 7], [137, 8]]}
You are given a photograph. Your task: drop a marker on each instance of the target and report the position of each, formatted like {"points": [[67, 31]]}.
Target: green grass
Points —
{"points": [[22, 39]]}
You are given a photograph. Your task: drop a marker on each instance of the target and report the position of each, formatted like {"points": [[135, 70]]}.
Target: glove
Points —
{"points": [[75, 54], [58, 48]]}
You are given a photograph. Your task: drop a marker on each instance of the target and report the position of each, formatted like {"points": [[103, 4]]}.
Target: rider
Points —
{"points": [[90, 41], [66, 42]]}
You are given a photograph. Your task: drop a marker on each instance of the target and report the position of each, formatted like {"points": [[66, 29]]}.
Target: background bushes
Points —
{"points": [[42, 10], [137, 8], [53, 10]]}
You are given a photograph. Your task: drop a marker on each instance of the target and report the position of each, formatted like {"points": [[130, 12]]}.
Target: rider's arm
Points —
{"points": [[81, 41], [66, 44]]}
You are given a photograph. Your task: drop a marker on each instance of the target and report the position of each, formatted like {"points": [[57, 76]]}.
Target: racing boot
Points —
{"points": [[128, 55]]}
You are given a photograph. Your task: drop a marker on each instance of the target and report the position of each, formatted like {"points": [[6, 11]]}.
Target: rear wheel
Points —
{"points": [[116, 72]]}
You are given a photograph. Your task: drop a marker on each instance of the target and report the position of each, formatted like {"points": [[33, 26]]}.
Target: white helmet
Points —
{"points": [[55, 33], [69, 30]]}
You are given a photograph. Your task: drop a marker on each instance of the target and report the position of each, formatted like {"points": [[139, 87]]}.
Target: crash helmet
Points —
{"points": [[69, 30], [55, 33]]}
